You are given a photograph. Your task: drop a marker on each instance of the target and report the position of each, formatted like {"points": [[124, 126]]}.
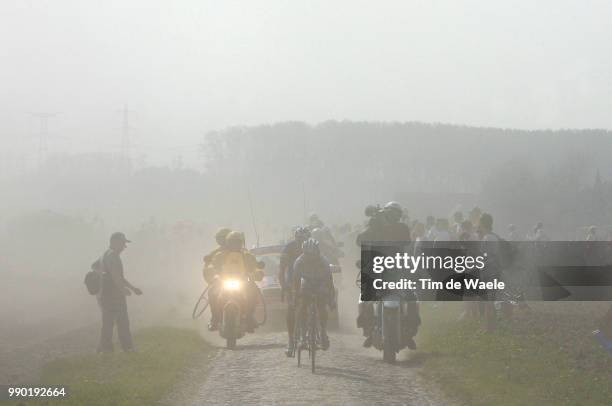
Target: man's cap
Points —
{"points": [[119, 236]]}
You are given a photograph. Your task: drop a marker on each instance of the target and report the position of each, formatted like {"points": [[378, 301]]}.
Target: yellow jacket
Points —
{"points": [[208, 272], [236, 262]]}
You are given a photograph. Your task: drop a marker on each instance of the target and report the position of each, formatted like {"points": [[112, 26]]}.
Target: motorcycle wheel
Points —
{"points": [[230, 326], [390, 337]]}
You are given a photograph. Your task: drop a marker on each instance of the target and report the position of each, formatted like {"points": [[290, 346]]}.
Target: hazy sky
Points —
{"points": [[186, 67]]}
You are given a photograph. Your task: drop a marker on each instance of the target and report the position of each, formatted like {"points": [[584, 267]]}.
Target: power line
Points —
{"points": [[125, 136], [43, 134]]}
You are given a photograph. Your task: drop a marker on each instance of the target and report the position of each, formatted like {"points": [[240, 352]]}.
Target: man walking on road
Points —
{"points": [[112, 297]]}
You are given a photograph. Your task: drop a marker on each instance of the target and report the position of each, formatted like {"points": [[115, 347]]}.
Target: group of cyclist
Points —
{"points": [[305, 274], [305, 266]]}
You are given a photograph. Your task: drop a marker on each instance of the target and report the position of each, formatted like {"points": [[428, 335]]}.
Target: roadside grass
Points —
{"points": [[132, 379], [541, 358]]}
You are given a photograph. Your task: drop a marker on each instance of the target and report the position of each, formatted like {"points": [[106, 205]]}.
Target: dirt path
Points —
{"points": [[258, 373]]}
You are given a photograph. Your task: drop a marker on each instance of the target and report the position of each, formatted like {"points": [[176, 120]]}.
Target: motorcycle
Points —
{"points": [[233, 301], [394, 316], [389, 329]]}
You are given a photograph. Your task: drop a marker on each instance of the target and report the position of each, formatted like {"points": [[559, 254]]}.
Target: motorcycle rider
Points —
{"points": [[208, 272], [220, 238], [244, 262], [385, 225], [312, 278], [290, 253]]}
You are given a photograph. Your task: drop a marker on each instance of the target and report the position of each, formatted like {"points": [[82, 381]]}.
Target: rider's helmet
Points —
{"points": [[221, 235], [302, 234], [393, 211], [235, 241], [310, 247]]}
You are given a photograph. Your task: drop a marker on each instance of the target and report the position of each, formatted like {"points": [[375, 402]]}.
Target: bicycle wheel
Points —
{"points": [[297, 332], [312, 335]]}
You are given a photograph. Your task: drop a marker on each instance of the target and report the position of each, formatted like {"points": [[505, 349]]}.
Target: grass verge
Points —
{"points": [[141, 378], [542, 358]]}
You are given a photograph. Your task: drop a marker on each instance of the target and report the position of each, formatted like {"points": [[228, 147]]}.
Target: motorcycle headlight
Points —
{"points": [[231, 284]]}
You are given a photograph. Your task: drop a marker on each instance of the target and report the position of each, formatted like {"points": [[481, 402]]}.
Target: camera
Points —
{"points": [[372, 211]]}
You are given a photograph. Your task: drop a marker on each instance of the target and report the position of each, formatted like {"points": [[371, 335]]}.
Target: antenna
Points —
{"points": [[252, 215], [304, 199]]}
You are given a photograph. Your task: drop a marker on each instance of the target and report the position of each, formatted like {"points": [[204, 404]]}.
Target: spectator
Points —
{"points": [[112, 297]]}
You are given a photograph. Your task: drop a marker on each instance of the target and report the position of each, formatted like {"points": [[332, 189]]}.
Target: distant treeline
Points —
{"points": [[520, 175], [335, 169]]}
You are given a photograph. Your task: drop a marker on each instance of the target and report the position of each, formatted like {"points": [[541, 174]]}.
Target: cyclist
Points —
{"points": [[328, 244], [290, 253], [312, 280]]}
